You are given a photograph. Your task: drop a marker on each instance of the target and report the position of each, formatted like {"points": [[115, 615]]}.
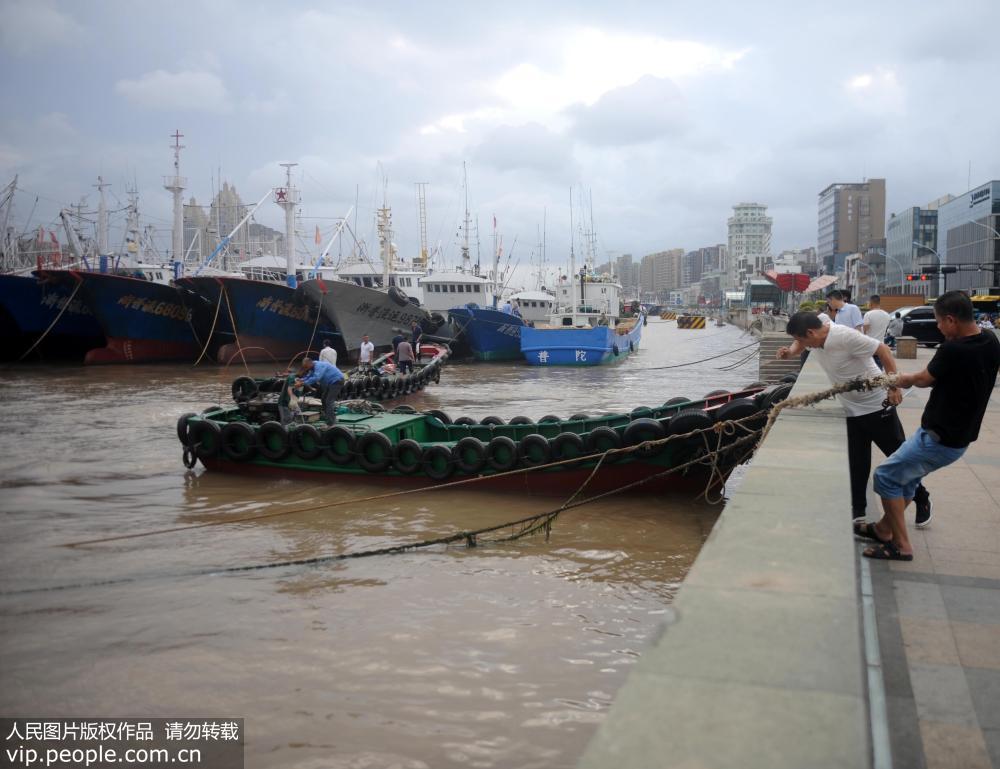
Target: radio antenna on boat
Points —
{"points": [[288, 198]]}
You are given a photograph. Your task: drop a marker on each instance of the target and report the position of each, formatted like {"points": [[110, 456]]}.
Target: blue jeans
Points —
{"points": [[920, 455]]}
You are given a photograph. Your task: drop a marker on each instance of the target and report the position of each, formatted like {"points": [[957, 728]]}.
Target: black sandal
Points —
{"points": [[885, 552], [865, 530]]}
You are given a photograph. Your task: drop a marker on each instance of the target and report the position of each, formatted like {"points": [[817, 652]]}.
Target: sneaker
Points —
{"points": [[925, 510]]}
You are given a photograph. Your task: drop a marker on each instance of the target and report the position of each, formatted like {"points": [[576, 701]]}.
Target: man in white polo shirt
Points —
{"points": [[846, 354], [876, 319]]}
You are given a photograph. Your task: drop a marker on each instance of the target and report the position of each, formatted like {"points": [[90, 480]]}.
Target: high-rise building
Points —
{"points": [[749, 241], [851, 217], [968, 236], [203, 231], [910, 243], [661, 273]]}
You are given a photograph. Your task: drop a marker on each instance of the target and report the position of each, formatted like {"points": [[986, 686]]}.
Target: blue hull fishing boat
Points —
{"points": [[572, 346], [31, 307], [490, 334]]}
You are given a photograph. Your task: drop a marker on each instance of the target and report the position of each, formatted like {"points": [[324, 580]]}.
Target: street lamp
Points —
{"points": [[895, 261]]}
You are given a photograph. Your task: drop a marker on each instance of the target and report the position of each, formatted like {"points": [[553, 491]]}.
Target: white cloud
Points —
{"points": [[878, 91], [187, 90], [31, 26]]}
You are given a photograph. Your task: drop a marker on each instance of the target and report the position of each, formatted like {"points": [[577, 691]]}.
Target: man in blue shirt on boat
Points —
{"points": [[328, 379]]}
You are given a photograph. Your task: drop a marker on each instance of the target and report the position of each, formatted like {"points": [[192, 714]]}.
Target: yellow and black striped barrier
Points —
{"points": [[668, 316], [691, 321]]}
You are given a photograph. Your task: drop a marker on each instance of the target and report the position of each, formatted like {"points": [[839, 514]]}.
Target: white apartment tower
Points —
{"points": [[749, 241]]}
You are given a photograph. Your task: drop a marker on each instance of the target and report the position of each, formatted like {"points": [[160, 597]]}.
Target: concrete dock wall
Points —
{"points": [[761, 661]]}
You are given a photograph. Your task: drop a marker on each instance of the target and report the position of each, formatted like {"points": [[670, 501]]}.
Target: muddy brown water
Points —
{"points": [[499, 656]]}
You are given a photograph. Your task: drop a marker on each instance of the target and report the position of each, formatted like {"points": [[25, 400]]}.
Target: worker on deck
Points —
{"points": [[328, 379]]}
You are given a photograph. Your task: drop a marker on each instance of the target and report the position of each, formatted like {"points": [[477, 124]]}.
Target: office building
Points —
{"points": [[968, 236], [851, 217], [910, 244]]}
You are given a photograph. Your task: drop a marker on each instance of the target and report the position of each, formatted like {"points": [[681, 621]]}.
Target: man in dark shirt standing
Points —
{"points": [[961, 376]]}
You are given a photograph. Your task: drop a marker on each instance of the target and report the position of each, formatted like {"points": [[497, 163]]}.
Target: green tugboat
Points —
{"points": [[430, 448]]}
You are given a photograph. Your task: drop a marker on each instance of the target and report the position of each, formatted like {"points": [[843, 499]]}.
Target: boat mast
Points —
{"points": [[496, 264], [467, 222], [175, 184], [422, 210], [572, 262], [288, 198], [102, 223], [384, 222]]}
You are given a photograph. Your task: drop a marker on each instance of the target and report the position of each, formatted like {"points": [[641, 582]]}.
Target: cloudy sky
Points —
{"points": [[666, 113]]}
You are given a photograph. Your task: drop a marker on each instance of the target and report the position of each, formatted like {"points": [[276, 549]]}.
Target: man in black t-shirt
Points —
{"points": [[961, 376]]}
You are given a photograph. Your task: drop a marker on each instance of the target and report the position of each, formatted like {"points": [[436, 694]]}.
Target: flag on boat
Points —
{"points": [[319, 238]]}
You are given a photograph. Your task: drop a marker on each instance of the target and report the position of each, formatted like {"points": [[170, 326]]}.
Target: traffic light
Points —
{"points": [[948, 269], [911, 276], [929, 270]]}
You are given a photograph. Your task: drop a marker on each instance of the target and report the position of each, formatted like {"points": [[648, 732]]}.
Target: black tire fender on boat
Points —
{"points": [[549, 418], [677, 401], [272, 441], [567, 446], [631, 346], [408, 456], [778, 394], [397, 295], [207, 436], [183, 434], [714, 394], [602, 439], [306, 441], [491, 420], [244, 388], [686, 449], [741, 408], [641, 430], [239, 443], [374, 452], [445, 419], [581, 415], [338, 445], [464, 421], [790, 378], [437, 320], [615, 350], [534, 450], [438, 464], [501, 454], [521, 421], [641, 412], [469, 455]]}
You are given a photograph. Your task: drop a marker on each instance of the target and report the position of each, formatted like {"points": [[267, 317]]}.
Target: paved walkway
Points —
{"points": [[938, 616]]}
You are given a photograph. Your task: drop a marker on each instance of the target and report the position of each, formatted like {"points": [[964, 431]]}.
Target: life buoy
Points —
{"points": [[438, 463], [244, 388], [408, 456], [501, 453], [238, 441], [338, 445], [374, 452], [469, 455], [641, 430], [207, 437], [272, 441], [397, 295], [183, 434], [305, 441], [567, 446], [534, 450], [603, 439]]}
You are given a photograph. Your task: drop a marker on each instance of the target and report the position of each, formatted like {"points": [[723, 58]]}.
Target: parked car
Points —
{"points": [[918, 322]]}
